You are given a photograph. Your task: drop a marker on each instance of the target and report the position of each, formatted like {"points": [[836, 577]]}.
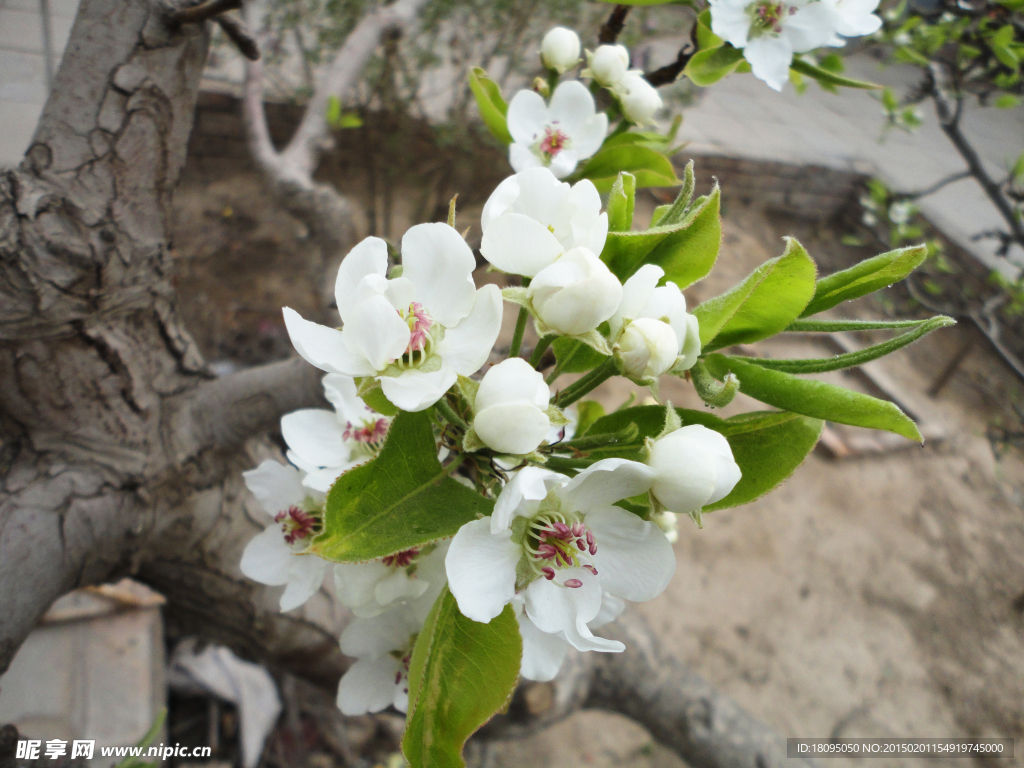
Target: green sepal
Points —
{"points": [[492, 106], [468, 389], [471, 442], [378, 401]]}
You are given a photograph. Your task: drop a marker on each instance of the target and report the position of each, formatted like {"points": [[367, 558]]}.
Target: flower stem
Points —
{"points": [[539, 350], [517, 337], [599, 375], [445, 409]]}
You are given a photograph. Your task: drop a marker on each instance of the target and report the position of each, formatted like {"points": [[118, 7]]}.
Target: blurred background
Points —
{"points": [[879, 592]]}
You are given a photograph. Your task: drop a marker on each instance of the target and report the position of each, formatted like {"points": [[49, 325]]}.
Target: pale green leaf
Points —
{"points": [[492, 106], [620, 203], [866, 277]]}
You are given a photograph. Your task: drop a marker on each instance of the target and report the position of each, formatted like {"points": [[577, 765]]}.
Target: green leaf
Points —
{"points": [[826, 77], [576, 357], [379, 402], [461, 674], [813, 398], [620, 203], [767, 301], [864, 278], [1017, 172], [768, 445], [710, 65], [851, 359], [333, 110], [1007, 101], [399, 500], [686, 251], [705, 37], [588, 411], [650, 168], [492, 106], [839, 326]]}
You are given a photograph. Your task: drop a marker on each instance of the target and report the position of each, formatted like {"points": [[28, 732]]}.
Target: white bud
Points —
{"points": [[576, 293], [608, 64], [669, 524], [511, 407], [694, 467], [647, 348], [560, 49], [638, 98]]}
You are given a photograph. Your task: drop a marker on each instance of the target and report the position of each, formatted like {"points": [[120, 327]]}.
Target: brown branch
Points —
{"points": [[197, 14], [671, 72], [239, 34], [614, 25]]}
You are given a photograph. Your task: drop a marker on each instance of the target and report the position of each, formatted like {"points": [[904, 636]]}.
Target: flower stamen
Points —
{"points": [[296, 524]]}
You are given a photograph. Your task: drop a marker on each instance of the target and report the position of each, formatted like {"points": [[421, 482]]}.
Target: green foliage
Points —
{"points": [[399, 500], [813, 398], [576, 357], [866, 277], [710, 65], [829, 77], [764, 304], [649, 167], [461, 674], [686, 251], [589, 411], [492, 106], [620, 203]]}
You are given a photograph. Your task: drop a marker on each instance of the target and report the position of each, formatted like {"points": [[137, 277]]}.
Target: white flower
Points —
{"points": [[558, 135], [771, 31], [669, 523], [324, 444], [693, 467], [532, 218], [560, 49], [275, 557], [607, 65], [638, 98], [853, 18], [417, 332], [383, 647], [562, 545], [575, 294], [511, 408], [369, 589], [652, 328]]}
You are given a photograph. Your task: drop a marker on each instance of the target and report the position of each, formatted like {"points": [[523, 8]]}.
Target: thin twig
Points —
{"points": [[934, 187], [197, 14], [613, 26], [239, 34]]}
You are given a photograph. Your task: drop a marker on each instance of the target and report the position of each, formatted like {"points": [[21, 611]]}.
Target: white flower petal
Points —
{"points": [[516, 428], [634, 560], [307, 576], [521, 158], [369, 257], [729, 20], [522, 495], [438, 261], [540, 195], [341, 393], [315, 435], [571, 108], [519, 245], [605, 482], [591, 136], [512, 381], [769, 59], [555, 608], [543, 653], [611, 608], [481, 569], [324, 347], [378, 331], [354, 585], [691, 344], [398, 587], [267, 558], [728, 475], [401, 292], [636, 291], [502, 199], [688, 464], [321, 480], [564, 163], [812, 26], [576, 293], [526, 117], [276, 486], [466, 347], [401, 700], [377, 636], [416, 391], [368, 686]]}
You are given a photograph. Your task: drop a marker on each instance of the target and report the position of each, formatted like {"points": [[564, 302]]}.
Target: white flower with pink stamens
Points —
{"points": [[415, 333], [561, 544], [557, 135], [324, 444], [275, 557], [369, 589], [382, 646]]}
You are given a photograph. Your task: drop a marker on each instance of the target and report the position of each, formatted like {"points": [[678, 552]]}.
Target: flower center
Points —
{"points": [[421, 340], [555, 540], [766, 16], [554, 141], [404, 657], [370, 432], [296, 524], [401, 559]]}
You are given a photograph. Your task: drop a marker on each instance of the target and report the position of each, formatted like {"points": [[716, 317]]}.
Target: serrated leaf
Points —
{"points": [[490, 103], [825, 77], [866, 277], [399, 500], [768, 300], [709, 66], [620, 203], [649, 167], [686, 251], [461, 674], [817, 399]]}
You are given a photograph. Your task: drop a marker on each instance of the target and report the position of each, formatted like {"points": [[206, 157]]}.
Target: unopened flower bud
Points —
{"points": [[694, 467], [576, 293], [560, 49], [669, 524], [647, 348], [608, 64], [638, 98], [511, 407]]}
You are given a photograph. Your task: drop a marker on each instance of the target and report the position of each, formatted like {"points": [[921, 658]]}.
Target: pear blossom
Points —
{"points": [[561, 544], [275, 557], [560, 49], [324, 444], [693, 467], [607, 65], [651, 330], [575, 294], [556, 135], [638, 98], [511, 408], [532, 218], [771, 31], [853, 18], [382, 646], [413, 575], [415, 333]]}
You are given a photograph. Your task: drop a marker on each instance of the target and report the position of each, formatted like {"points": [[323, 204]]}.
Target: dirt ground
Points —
{"points": [[873, 596]]}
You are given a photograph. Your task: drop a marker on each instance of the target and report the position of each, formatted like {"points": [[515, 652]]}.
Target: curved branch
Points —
{"points": [[613, 25]]}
